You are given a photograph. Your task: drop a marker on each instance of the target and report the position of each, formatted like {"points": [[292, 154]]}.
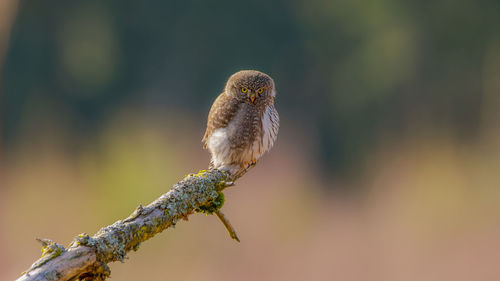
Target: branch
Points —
{"points": [[87, 257]]}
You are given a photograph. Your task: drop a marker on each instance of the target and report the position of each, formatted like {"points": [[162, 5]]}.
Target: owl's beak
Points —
{"points": [[252, 97]]}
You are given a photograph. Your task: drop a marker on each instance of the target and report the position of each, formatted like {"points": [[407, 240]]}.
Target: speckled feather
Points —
{"points": [[221, 113], [239, 130]]}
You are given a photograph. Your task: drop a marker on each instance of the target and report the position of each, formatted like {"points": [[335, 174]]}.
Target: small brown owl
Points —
{"points": [[242, 123]]}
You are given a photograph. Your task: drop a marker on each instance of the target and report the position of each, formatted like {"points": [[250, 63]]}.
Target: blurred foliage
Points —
{"points": [[346, 71], [103, 105]]}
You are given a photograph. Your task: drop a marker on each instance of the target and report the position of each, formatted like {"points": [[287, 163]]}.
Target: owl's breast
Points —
{"points": [[247, 136], [245, 127]]}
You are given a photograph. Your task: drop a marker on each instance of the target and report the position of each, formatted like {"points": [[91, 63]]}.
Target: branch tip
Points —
{"points": [[227, 224]]}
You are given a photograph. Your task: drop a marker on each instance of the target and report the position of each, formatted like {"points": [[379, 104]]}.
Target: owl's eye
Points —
{"points": [[260, 91], [244, 90]]}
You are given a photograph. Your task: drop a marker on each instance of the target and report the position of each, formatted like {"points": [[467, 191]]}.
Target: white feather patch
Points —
{"points": [[270, 126], [219, 146]]}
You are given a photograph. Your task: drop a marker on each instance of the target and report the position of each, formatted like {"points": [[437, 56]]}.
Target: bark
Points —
{"points": [[87, 256]]}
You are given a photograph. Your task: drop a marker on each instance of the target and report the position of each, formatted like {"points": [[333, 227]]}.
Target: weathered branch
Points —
{"points": [[87, 256]]}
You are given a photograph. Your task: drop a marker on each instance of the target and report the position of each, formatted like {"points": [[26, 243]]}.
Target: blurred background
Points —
{"points": [[386, 165]]}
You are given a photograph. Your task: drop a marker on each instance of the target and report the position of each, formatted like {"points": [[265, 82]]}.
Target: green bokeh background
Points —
{"points": [[386, 160]]}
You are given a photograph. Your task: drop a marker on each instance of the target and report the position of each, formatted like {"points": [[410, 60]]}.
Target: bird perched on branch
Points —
{"points": [[243, 123]]}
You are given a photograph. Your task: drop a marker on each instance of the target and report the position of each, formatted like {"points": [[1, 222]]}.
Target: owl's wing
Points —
{"points": [[221, 113]]}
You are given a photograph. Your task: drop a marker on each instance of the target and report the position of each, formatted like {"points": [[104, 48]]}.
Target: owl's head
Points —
{"points": [[251, 86]]}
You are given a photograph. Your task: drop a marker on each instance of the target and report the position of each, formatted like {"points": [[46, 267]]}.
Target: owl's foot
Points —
{"points": [[227, 224], [236, 170], [249, 165], [244, 167]]}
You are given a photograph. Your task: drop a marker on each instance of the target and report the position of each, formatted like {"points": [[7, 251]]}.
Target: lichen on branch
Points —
{"points": [[87, 256]]}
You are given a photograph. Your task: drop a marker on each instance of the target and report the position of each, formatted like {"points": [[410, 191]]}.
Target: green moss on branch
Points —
{"points": [[87, 256], [196, 192]]}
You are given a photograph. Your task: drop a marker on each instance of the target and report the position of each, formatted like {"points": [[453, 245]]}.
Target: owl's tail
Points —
{"points": [[211, 165]]}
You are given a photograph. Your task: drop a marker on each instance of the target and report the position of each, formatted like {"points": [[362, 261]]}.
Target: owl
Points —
{"points": [[243, 123]]}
